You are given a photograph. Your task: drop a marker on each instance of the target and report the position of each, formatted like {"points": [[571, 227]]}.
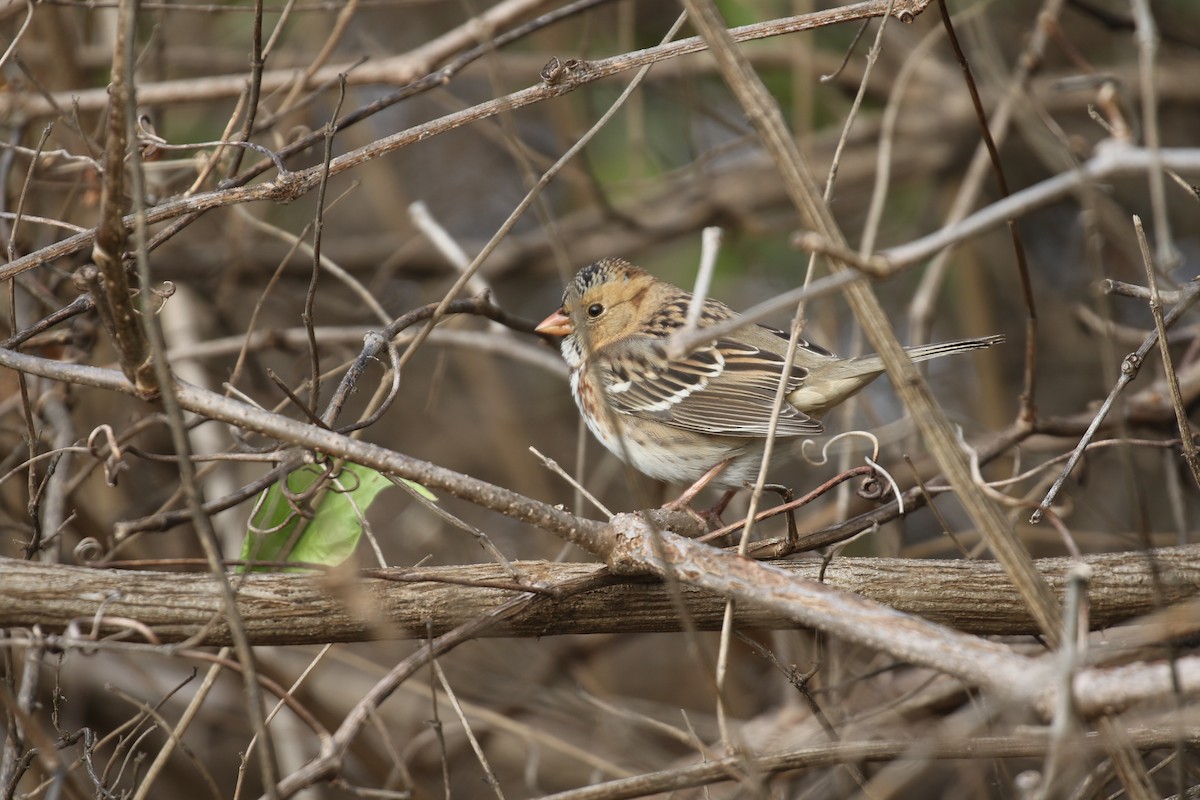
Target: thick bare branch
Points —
{"points": [[972, 596]]}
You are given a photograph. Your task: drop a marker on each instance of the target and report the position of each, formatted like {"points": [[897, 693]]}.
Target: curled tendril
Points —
{"points": [[114, 460], [148, 138], [74, 630], [341, 485], [88, 550], [155, 146], [823, 457], [165, 293], [891, 481], [872, 488]]}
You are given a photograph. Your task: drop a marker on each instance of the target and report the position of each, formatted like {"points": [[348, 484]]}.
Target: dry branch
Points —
{"points": [[1030, 743], [407, 67], [972, 596]]}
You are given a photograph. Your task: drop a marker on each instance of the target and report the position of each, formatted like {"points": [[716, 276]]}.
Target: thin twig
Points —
{"points": [[554, 467], [1113, 286], [1129, 369], [1190, 455], [310, 297], [489, 774]]}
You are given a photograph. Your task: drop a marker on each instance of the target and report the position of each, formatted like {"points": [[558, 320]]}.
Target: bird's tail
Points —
{"points": [[869, 366], [830, 383], [927, 351]]}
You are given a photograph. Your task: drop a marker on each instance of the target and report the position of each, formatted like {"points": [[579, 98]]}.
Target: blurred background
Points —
{"points": [[556, 713]]}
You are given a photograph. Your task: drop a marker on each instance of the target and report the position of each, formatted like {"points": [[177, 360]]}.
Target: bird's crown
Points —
{"points": [[606, 270]]}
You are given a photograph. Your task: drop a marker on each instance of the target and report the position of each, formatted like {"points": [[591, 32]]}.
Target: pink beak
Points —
{"points": [[557, 324]]}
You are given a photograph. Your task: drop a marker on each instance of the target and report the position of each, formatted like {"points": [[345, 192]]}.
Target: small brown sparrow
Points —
{"points": [[677, 419]]}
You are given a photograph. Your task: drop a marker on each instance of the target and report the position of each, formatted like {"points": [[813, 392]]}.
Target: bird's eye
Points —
{"points": [[595, 310]]}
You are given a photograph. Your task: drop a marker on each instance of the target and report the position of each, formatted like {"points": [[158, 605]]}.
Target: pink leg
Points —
{"points": [[689, 494]]}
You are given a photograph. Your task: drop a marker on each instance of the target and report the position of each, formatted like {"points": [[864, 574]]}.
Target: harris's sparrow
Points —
{"points": [[675, 420]]}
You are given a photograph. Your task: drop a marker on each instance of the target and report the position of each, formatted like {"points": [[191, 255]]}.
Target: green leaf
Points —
{"points": [[331, 536], [335, 530], [275, 521]]}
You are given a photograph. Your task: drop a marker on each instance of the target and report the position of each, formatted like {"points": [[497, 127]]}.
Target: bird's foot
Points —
{"points": [[709, 518]]}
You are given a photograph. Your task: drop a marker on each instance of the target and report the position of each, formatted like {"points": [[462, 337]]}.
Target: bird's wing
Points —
{"points": [[726, 388]]}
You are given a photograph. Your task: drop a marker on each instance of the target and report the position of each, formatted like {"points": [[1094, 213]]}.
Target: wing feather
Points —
{"points": [[726, 388]]}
